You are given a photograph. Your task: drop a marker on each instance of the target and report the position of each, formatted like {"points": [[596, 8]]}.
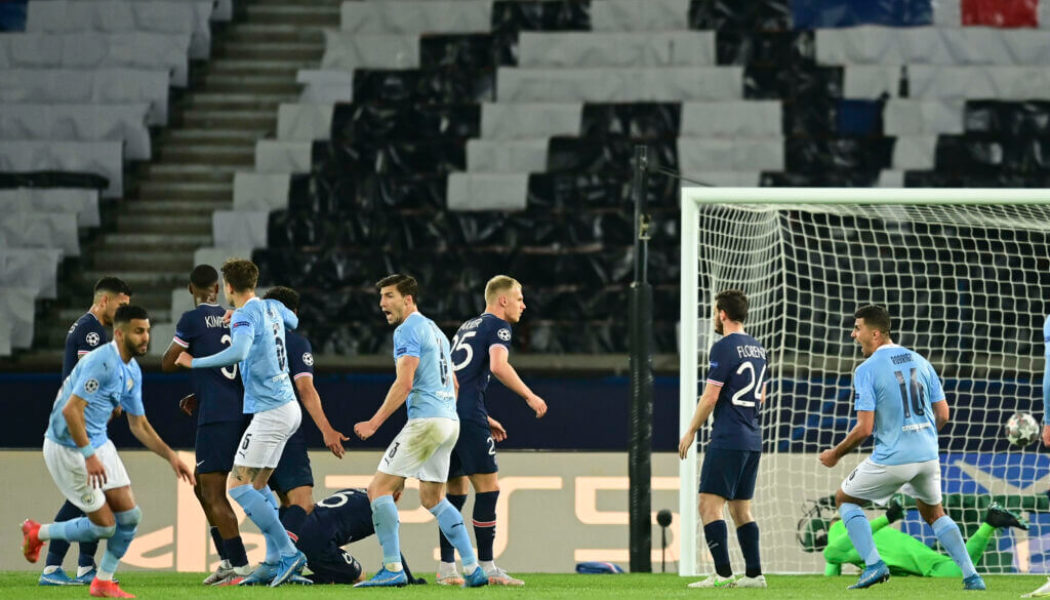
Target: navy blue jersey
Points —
{"points": [[300, 364], [85, 335], [470, 359], [219, 390], [738, 364], [337, 520]]}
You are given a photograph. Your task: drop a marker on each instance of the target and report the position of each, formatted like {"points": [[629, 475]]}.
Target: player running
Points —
{"points": [[734, 391], [425, 382], [293, 480], [218, 394], [258, 328], [83, 461], [480, 349], [898, 398], [88, 333]]}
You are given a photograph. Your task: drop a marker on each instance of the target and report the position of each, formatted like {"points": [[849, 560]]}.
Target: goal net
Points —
{"points": [[964, 274]]}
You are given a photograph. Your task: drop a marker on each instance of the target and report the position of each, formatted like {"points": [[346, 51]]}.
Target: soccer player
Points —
{"points": [[293, 480], [734, 391], [218, 394], [903, 553], [426, 382], [480, 349], [83, 461], [1046, 386], [87, 334], [258, 328], [900, 399]]}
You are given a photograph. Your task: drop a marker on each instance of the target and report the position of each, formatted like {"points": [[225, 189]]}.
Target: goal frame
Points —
{"points": [[689, 295]]}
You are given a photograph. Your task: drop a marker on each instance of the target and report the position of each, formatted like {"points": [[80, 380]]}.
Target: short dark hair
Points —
{"points": [[204, 276], [285, 295], [406, 285], [126, 313], [875, 316], [734, 302], [113, 285], [241, 274]]}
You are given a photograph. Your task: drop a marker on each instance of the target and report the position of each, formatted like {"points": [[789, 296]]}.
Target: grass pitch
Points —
{"points": [[177, 586]]}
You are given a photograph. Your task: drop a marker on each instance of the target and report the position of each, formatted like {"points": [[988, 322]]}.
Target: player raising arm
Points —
{"points": [[898, 398]]}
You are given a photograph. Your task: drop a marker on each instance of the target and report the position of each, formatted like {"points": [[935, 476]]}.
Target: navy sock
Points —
{"points": [[747, 535], [717, 536], [448, 552], [57, 549], [217, 540], [235, 553], [485, 523], [293, 519]]}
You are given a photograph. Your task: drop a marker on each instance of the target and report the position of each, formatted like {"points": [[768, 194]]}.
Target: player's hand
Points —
{"points": [[894, 511], [181, 470], [334, 441], [226, 317], [184, 360], [365, 429], [685, 444], [828, 458], [119, 410], [496, 428], [95, 471], [1046, 435], [537, 404], [188, 404]]}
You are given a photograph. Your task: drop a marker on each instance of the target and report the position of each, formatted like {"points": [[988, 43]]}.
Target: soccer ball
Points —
{"points": [[1021, 430]]}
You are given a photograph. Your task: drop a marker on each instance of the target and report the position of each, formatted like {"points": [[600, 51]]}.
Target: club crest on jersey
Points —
{"points": [[308, 359], [91, 338], [504, 334], [130, 383], [87, 498], [91, 386]]}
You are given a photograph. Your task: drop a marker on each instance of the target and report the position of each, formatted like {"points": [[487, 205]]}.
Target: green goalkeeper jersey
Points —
{"points": [[901, 552]]}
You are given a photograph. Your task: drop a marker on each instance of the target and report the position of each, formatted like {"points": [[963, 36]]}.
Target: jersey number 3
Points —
{"points": [[739, 398]]}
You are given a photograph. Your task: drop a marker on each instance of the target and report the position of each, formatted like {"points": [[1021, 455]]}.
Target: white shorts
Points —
{"points": [[875, 482], [422, 450], [66, 466], [263, 441]]}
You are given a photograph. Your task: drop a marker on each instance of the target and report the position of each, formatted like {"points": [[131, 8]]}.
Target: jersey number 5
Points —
{"points": [[754, 384]]}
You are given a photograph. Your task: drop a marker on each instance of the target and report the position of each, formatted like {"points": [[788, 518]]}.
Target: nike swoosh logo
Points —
{"points": [[200, 463]]}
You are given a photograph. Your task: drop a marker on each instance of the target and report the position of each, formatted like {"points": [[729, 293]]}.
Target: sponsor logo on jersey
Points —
{"points": [[504, 334], [91, 386], [308, 359], [91, 338]]}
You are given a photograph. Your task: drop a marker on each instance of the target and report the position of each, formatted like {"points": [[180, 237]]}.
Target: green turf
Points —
{"points": [[22, 584]]}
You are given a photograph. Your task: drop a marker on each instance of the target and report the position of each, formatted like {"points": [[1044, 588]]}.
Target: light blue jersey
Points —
{"points": [[105, 382], [257, 329], [433, 393], [900, 386]]}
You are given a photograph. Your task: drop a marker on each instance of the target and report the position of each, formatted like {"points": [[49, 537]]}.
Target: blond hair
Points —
{"points": [[499, 285]]}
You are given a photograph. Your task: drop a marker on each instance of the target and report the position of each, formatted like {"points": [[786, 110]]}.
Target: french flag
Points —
{"points": [[822, 14]]}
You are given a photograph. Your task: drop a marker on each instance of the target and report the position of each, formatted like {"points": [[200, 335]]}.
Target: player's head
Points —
{"points": [[131, 329], [286, 296], [503, 293], [110, 294], [730, 305], [871, 328], [397, 297], [204, 283], [241, 276]]}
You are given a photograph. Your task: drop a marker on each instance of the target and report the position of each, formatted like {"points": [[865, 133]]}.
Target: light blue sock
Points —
{"points": [[271, 498], [859, 532], [80, 529], [127, 525], [264, 516], [387, 525], [950, 537], [451, 523]]}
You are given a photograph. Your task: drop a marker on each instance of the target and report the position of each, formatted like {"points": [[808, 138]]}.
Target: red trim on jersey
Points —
{"points": [[83, 352], [303, 374], [180, 342], [718, 383]]}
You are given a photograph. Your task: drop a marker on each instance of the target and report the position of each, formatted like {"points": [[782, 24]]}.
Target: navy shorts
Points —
{"points": [[217, 443], [730, 474], [474, 452], [293, 470]]}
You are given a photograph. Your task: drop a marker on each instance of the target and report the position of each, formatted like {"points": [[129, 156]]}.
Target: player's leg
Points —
{"points": [[867, 482], [387, 525], [926, 488], [56, 553], [456, 493], [746, 527], [717, 482], [293, 480], [215, 448]]}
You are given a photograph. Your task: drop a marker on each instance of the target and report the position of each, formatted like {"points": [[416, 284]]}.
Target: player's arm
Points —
{"points": [[290, 320], [703, 410], [167, 362], [406, 373], [304, 383], [860, 432], [500, 366], [238, 351], [73, 413], [940, 413], [142, 430]]}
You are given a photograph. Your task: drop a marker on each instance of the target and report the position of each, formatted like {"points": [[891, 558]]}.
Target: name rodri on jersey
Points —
{"points": [[470, 359], [738, 364]]}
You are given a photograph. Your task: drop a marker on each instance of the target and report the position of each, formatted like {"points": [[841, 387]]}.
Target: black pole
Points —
{"points": [[641, 413]]}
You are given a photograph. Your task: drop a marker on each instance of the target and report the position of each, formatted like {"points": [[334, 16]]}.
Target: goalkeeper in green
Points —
{"points": [[904, 554]]}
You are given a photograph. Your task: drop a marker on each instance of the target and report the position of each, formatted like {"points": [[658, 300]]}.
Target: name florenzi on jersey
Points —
{"points": [[749, 351]]}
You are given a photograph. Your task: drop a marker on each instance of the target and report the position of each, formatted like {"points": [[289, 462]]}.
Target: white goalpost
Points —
{"points": [[965, 274]]}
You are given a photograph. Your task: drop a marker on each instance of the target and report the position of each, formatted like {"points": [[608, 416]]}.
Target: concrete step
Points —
{"points": [[301, 15], [144, 242], [194, 173], [213, 137], [206, 154], [177, 208], [232, 119], [334, 3], [284, 68], [272, 50], [158, 260], [234, 101], [250, 84], [141, 280], [198, 223], [187, 190], [275, 32]]}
